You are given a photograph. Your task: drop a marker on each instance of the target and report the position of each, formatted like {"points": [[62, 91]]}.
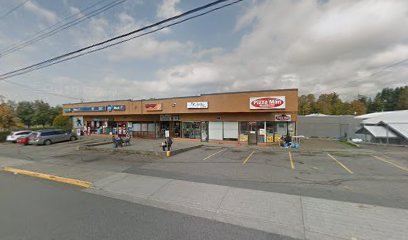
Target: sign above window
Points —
{"points": [[195, 105], [111, 108], [150, 107], [165, 118], [108, 108], [274, 102], [283, 118]]}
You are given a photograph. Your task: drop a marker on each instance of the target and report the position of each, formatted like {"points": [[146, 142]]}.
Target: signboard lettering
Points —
{"points": [[195, 105], [274, 102], [111, 108], [283, 118]]}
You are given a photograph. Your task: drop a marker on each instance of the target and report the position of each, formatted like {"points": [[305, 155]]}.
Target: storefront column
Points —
{"points": [[265, 137]]}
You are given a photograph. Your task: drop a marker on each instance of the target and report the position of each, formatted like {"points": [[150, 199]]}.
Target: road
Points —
{"points": [[38, 209], [315, 173]]}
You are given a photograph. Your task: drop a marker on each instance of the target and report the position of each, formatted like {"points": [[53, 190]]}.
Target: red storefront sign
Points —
{"points": [[275, 102], [153, 107]]}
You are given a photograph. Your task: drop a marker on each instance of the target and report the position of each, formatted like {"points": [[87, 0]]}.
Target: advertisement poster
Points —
{"points": [[77, 122]]}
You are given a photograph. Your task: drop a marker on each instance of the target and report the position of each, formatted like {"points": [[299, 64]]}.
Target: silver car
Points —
{"points": [[47, 137]]}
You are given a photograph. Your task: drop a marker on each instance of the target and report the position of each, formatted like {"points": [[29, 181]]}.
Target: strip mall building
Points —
{"points": [[247, 117]]}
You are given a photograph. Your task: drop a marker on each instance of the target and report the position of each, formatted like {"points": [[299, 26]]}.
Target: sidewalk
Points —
{"points": [[295, 216], [290, 215]]}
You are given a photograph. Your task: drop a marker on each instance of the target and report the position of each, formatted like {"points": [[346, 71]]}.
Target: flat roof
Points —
{"points": [[204, 94]]}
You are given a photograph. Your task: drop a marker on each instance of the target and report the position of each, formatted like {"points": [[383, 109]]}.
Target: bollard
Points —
{"points": [[168, 153]]}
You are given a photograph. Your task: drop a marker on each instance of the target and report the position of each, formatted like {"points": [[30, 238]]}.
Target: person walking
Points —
{"points": [[169, 141]]}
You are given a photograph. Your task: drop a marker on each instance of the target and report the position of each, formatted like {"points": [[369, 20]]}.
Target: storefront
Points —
{"points": [[246, 117]]}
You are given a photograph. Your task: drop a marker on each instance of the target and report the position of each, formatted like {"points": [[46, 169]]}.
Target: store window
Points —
{"points": [[191, 130], [270, 132], [144, 130], [245, 129]]}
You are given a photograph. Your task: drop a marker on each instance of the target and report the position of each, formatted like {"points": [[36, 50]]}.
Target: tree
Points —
{"points": [[329, 104], [402, 102], [55, 111], [25, 112], [304, 107], [42, 114], [7, 116], [358, 107], [62, 122]]}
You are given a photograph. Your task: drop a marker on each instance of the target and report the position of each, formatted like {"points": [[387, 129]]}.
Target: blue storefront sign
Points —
{"points": [[109, 108]]}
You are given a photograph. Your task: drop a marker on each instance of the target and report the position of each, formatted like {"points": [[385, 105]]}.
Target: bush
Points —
{"points": [[3, 136]]}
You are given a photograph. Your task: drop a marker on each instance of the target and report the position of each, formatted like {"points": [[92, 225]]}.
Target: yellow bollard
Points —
{"points": [[168, 154]]}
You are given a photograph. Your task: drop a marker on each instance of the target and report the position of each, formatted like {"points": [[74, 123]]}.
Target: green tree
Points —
{"points": [[25, 111], [304, 106], [329, 104], [402, 102], [55, 111], [62, 122], [42, 113]]}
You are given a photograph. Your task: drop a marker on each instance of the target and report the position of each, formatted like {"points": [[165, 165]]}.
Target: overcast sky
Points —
{"points": [[316, 46]]}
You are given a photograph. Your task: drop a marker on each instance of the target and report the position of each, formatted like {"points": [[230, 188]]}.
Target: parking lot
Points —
{"points": [[371, 174], [346, 174]]}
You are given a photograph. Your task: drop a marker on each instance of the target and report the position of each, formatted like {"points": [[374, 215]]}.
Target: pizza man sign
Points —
{"points": [[275, 102]]}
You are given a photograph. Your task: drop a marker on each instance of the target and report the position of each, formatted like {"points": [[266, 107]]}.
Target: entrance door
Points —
{"points": [[204, 131], [163, 127], [175, 131]]}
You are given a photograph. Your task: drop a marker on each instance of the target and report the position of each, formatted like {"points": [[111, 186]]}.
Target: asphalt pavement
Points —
{"points": [[38, 209]]}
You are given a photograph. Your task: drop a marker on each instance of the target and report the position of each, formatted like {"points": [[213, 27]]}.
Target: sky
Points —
{"points": [[317, 46]]}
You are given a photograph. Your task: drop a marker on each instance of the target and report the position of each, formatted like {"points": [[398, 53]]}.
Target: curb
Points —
{"points": [[71, 181]]}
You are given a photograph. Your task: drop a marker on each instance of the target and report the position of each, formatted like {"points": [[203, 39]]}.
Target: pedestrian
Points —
{"points": [[163, 145], [115, 144], [119, 141], [126, 140], [169, 143]]}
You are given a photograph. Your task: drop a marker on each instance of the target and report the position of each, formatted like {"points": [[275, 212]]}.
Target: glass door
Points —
{"points": [[204, 131]]}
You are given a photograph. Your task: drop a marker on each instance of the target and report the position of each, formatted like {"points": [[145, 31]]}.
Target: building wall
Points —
{"points": [[218, 103], [328, 126]]}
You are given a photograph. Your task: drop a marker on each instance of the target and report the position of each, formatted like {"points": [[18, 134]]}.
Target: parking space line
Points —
{"points": [[393, 164], [214, 154], [340, 163], [246, 160], [292, 165]]}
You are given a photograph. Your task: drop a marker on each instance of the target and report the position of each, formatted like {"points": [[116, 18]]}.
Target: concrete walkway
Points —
{"points": [[295, 216]]}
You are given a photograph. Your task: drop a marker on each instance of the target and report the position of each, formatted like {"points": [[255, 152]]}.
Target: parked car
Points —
{"points": [[49, 136], [15, 135], [23, 140]]}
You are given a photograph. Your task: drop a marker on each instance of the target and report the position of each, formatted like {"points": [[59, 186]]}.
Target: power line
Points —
{"points": [[50, 27], [43, 91], [122, 41], [13, 9], [45, 34], [55, 59]]}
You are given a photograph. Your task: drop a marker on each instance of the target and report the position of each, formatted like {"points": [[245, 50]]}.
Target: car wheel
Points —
{"points": [[73, 138], [47, 142]]}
